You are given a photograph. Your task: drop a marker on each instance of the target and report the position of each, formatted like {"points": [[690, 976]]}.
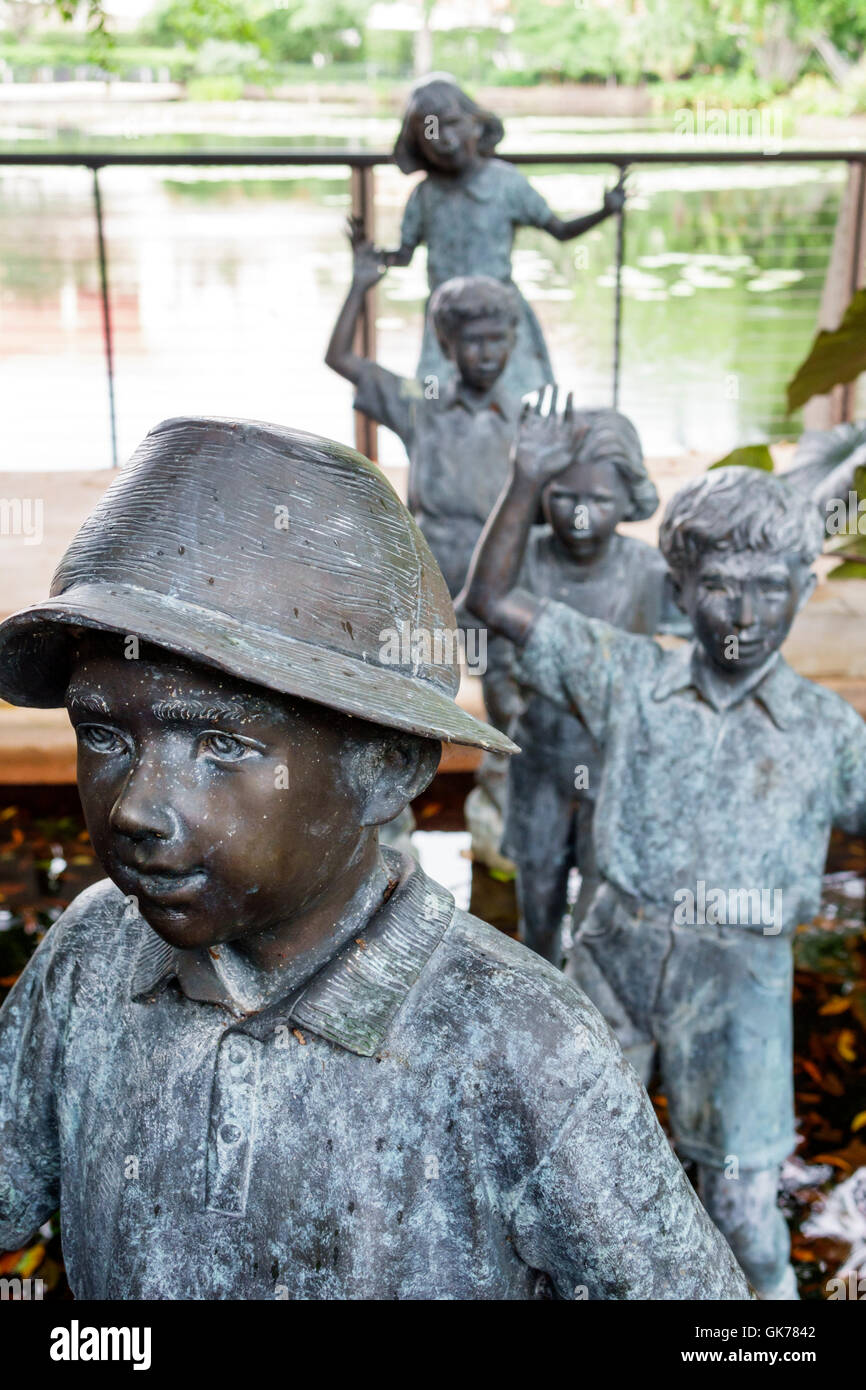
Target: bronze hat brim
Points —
{"points": [[33, 672]]}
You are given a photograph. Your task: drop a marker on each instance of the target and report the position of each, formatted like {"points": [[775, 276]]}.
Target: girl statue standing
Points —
{"points": [[466, 211]]}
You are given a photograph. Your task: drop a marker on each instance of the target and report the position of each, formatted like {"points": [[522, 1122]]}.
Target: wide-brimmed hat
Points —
{"points": [[281, 558]]}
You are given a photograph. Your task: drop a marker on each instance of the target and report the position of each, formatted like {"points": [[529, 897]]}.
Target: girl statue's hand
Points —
{"points": [[547, 437], [614, 198]]}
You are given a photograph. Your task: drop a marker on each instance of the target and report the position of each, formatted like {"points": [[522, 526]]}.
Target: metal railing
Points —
{"points": [[362, 165]]}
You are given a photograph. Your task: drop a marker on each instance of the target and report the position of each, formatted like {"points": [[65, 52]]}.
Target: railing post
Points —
{"points": [[617, 309], [363, 207], [846, 272], [855, 268], [106, 312]]}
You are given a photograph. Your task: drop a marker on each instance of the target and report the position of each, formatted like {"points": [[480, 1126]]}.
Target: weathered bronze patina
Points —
{"points": [[458, 436], [577, 556], [723, 773], [466, 212], [266, 1059]]}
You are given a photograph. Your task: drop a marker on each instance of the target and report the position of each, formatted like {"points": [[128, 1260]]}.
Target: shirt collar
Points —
{"points": [[354, 997], [775, 689], [497, 399], [480, 186]]}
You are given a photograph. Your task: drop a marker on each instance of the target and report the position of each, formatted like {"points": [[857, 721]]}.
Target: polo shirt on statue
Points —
{"points": [[710, 833], [739, 797], [436, 1113]]}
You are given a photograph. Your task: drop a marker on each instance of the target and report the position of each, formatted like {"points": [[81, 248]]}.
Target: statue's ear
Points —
{"points": [[396, 771], [676, 591], [807, 590]]}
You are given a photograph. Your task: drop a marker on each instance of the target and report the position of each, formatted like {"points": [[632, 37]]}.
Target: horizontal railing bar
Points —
{"points": [[365, 159]]}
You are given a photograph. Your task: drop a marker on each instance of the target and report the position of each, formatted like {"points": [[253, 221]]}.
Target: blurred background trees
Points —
{"points": [[722, 51]]}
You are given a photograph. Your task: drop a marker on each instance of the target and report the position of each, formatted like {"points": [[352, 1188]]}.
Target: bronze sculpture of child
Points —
{"points": [[723, 774], [457, 438], [577, 556], [266, 1058], [466, 211]]}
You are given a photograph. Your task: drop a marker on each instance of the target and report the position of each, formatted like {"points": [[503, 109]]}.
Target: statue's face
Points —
{"points": [[447, 134], [480, 350], [584, 505], [742, 605], [222, 809]]}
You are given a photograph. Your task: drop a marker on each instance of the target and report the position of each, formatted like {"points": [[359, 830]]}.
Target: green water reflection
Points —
{"points": [[225, 285]]}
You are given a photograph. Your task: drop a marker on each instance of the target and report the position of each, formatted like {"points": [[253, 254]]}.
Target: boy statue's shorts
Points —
{"points": [[716, 1001]]}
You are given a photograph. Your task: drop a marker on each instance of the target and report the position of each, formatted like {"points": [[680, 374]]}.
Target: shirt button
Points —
{"points": [[230, 1134], [238, 1052]]}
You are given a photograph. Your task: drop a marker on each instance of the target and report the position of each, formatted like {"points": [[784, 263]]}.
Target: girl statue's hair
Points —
{"points": [[613, 434], [408, 150]]}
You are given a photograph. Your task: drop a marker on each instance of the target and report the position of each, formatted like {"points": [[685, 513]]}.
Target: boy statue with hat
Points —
{"points": [[266, 1058]]}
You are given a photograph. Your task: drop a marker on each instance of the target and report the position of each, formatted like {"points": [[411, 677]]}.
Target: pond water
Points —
{"points": [[225, 283]]}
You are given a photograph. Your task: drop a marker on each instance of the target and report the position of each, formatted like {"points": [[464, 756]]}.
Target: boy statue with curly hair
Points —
{"points": [[723, 774]]}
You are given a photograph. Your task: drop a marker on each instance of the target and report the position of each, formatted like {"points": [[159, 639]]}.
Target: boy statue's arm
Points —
{"points": [[544, 446], [831, 493], [369, 266], [609, 1212]]}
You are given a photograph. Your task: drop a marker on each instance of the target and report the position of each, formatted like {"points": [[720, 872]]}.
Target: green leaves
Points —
{"points": [[820, 452], [99, 37], [836, 357], [849, 569], [747, 456]]}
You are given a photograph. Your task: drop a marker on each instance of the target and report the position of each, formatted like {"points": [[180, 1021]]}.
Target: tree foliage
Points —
{"points": [[300, 28], [765, 39], [746, 456], [766, 42], [97, 21], [193, 22]]}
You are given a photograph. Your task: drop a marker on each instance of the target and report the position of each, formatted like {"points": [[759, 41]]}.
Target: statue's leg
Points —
{"points": [[619, 976], [584, 858], [539, 840], [746, 1211], [724, 1024], [542, 895]]}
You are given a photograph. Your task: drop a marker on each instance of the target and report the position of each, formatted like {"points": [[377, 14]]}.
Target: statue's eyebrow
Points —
{"points": [[189, 711], [185, 710], [86, 702]]}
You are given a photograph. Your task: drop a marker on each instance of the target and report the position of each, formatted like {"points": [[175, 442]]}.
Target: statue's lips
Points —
{"points": [[167, 886]]}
